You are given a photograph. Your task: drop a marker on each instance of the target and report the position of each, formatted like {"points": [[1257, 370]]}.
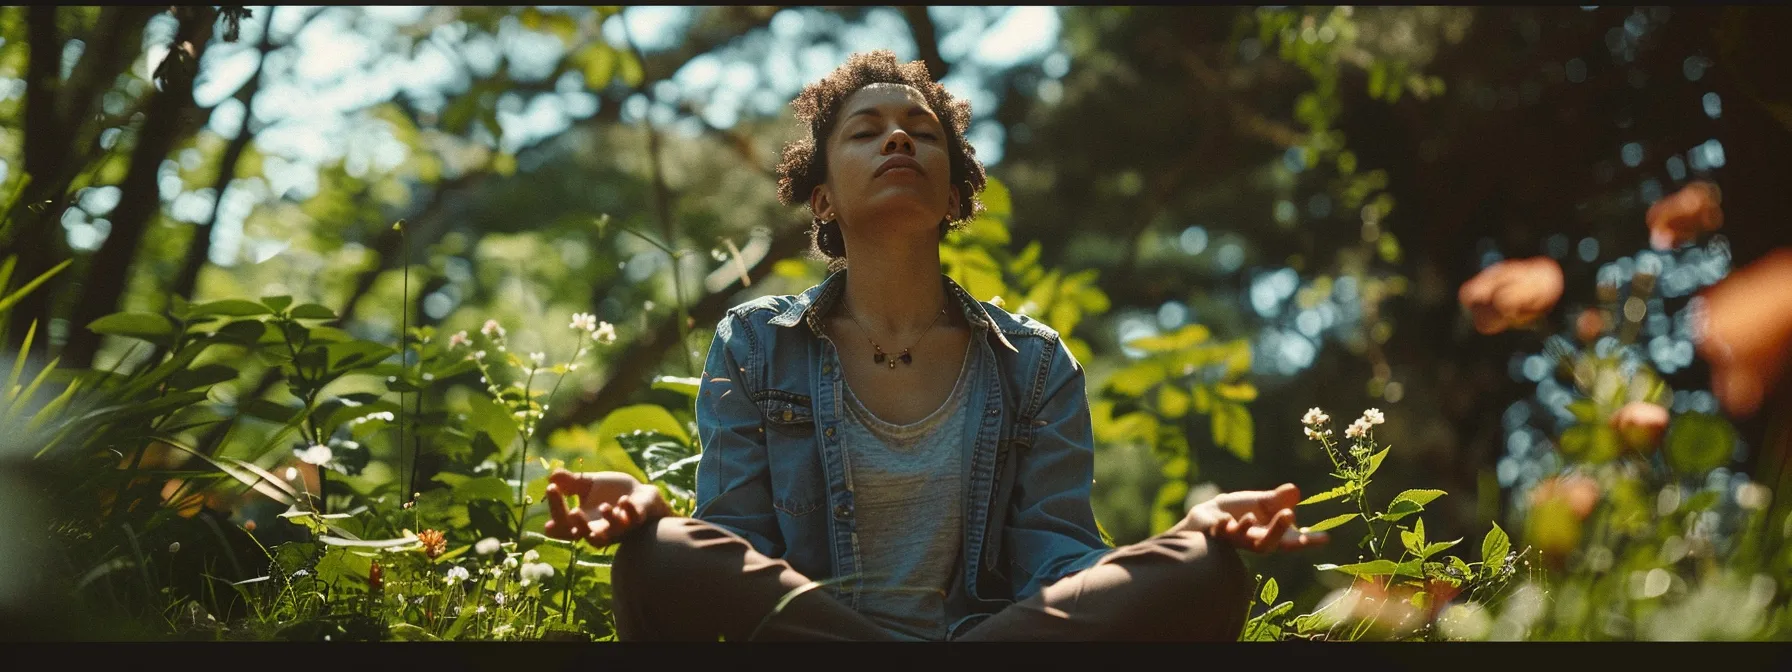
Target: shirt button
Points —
{"points": [[829, 431], [843, 511], [788, 415]]}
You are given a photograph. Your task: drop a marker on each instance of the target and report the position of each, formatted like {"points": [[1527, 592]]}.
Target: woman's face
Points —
{"points": [[887, 162]]}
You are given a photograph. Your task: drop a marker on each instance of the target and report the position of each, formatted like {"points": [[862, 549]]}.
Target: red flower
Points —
{"points": [[1684, 215], [1512, 293], [1744, 330], [1640, 423]]}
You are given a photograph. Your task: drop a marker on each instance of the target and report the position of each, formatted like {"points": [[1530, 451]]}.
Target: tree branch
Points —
{"points": [[163, 125], [187, 279], [926, 40]]}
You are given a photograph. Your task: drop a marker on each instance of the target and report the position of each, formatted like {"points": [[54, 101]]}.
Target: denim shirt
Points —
{"points": [[769, 414]]}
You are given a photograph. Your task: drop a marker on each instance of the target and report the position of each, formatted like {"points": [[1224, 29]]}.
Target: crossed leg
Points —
{"points": [[682, 579]]}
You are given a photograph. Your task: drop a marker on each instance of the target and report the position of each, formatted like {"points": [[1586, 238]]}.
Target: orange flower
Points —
{"points": [[1589, 325], [1580, 493], [1744, 330], [1640, 423], [1684, 215], [1511, 293], [434, 543]]}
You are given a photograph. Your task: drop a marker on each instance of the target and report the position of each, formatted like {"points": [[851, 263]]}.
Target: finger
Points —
{"points": [[556, 503], [1249, 520], [568, 482], [577, 522], [1285, 496], [624, 518], [1272, 536], [1294, 539], [597, 533]]}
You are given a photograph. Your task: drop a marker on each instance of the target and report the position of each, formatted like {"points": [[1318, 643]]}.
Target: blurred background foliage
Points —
{"points": [[1233, 214]]}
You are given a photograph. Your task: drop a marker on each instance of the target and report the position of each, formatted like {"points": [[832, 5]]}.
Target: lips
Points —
{"points": [[898, 161]]}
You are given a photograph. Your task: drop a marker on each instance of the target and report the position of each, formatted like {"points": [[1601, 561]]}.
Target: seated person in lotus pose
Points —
{"points": [[912, 463]]}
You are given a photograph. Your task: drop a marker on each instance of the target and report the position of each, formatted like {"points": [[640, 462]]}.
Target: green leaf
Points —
{"points": [[230, 308], [483, 487], [312, 311], [210, 374], [1172, 402], [1134, 380], [1331, 522], [1270, 591], [1362, 569], [1233, 430], [1401, 508], [1420, 497], [1186, 337], [13, 298], [276, 303], [631, 70], [629, 419], [368, 543], [1591, 443], [685, 386], [1585, 411], [1494, 548], [1328, 495], [1437, 547], [1699, 442], [143, 326], [598, 64], [1375, 461]]}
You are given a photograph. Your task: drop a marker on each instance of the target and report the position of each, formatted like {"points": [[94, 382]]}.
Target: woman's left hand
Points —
{"points": [[1254, 520]]}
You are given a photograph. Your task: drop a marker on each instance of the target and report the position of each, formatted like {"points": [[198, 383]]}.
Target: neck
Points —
{"points": [[895, 288]]}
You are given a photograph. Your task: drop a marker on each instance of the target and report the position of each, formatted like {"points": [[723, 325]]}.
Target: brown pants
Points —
{"points": [[687, 580]]}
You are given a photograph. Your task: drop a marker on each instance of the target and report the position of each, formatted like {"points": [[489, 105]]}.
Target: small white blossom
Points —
{"points": [[1317, 434], [1357, 429], [1374, 416], [585, 321], [605, 333], [459, 339], [510, 562], [292, 473], [174, 547], [536, 572], [1315, 416], [486, 546], [315, 455], [492, 327], [457, 574], [479, 355], [538, 357], [531, 556]]}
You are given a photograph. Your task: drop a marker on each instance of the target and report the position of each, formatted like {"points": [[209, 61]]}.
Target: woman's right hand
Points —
{"points": [[610, 504]]}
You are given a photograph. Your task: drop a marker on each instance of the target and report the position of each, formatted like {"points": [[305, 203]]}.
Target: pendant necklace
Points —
{"points": [[905, 358]]}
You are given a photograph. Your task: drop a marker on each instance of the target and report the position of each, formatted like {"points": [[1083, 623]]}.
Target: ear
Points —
{"points": [[821, 203], [954, 204]]}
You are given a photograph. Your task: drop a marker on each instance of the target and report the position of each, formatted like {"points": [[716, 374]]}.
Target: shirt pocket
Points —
{"points": [[790, 442]]}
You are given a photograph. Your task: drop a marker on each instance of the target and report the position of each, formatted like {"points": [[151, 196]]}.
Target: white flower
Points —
{"points": [[174, 548], [1357, 429], [486, 546], [537, 572], [292, 473], [491, 327], [315, 455], [1374, 416], [586, 321], [538, 357], [531, 556], [500, 598], [510, 562], [605, 333], [1315, 416], [1317, 434], [459, 339], [457, 574], [479, 354]]}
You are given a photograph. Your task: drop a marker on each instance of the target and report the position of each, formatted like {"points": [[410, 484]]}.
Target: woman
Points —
{"points": [[926, 456]]}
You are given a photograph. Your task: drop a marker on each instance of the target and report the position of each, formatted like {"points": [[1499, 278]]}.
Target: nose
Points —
{"points": [[900, 141]]}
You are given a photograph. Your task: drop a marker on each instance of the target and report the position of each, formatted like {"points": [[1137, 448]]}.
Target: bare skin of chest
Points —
{"points": [[909, 392]]}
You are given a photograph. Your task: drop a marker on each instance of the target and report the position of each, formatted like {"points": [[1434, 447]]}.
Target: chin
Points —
{"points": [[894, 207]]}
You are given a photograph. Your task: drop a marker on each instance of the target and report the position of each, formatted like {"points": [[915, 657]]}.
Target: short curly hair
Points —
{"points": [[805, 166]]}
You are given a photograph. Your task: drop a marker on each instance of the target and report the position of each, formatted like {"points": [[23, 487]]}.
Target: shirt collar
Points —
{"points": [[809, 307]]}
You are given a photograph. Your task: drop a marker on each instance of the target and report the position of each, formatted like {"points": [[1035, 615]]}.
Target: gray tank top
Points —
{"points": [[908, 498]]}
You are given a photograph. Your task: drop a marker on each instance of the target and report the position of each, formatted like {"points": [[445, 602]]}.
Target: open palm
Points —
{"points": [[1256, 520], [610, 504]]}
